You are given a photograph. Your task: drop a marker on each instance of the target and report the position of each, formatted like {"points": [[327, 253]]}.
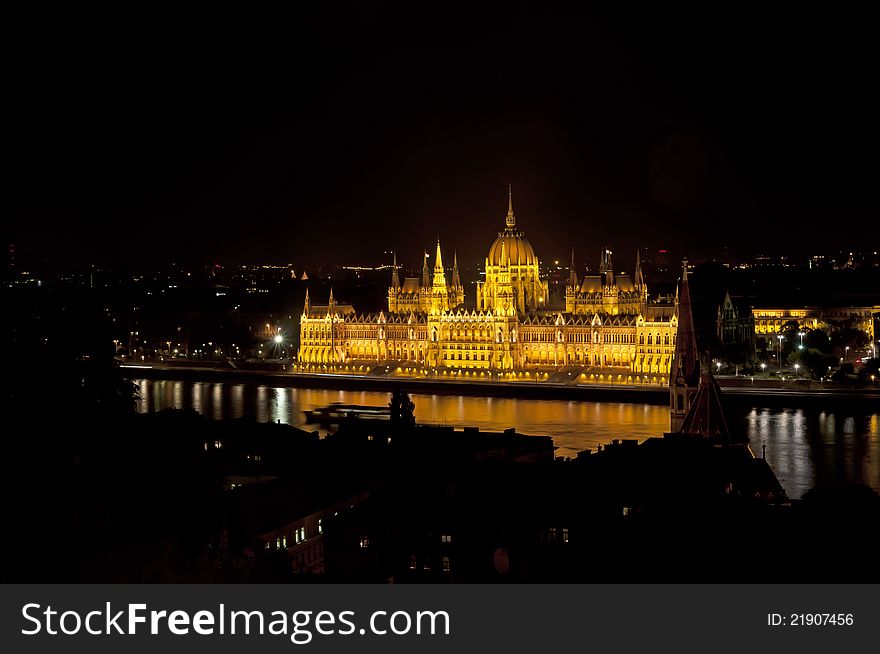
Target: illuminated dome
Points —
{"points": [[517, 249]]}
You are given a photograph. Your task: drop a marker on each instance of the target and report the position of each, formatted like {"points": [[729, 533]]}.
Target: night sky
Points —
{"points": [[137, 140]]}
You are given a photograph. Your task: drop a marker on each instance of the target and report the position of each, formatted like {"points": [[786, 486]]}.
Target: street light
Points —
{"points": [[279, 339], [797, 367], [846, 353], [801, 346], [763, 367]]}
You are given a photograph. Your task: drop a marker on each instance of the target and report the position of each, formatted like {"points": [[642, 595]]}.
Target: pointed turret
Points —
{"points": [[684, 377], [395, 279], [706, 414], [511, 218], [638, 279], [438, 265], [426, 274], [456, 281], [602, 262], [572, 275], [609, 269], [307, 305]]}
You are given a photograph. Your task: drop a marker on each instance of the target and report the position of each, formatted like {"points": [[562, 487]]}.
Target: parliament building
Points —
{"points": [[609, 329]]}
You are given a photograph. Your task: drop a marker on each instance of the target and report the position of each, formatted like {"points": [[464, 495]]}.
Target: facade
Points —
{"points": [[608, 324], [772, 320]]}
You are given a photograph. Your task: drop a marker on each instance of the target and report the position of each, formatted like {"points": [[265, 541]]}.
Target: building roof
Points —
{"points": [[706, 415], [410, 285], [592, 284]]}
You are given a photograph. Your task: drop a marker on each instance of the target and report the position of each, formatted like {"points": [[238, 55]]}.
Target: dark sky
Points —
{"points": [[140, 139]]}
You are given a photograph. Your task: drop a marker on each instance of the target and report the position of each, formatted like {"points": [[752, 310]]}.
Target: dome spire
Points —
{"points": [[511, 219]]}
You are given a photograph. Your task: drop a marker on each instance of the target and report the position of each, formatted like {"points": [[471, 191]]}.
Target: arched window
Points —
{"points": [[641, 339], [649, 339], [447, 564], [666, 339]]}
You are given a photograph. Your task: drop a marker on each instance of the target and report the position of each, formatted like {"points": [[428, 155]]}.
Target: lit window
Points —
{"points": [[284, 541], [365, 542], [446, 538], [447, 566], [413, 562], [626, 510], [218, 444], [277, 543], [302, 533], [565, 535], [320, 527]]}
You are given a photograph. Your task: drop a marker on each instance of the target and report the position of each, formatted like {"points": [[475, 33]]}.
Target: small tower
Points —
{"points": [[439, 292], [638, 279], [395, 278], [571, 289], [456, 293], [332, 303], [394, 289], [307, 305], [426, 274], [607, 268], [504, 297], [640, 285], [684, 378]]}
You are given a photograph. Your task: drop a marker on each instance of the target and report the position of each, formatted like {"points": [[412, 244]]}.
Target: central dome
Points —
{"points": [[517, 249]]}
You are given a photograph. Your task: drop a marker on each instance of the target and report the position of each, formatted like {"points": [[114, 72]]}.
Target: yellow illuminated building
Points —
{"points": [[608, 330], [771, 321]]}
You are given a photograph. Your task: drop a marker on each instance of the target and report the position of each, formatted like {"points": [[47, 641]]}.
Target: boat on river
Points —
{"points": [[338, 412]]}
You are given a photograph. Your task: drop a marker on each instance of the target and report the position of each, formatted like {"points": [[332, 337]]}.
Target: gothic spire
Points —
{"points": [[456, 282], [684, 376], [438, 265], [602, 262], [426, 275], [572, 276], [439, 273], [307, 305], [511, 218], [639, 279], [395, 279]]}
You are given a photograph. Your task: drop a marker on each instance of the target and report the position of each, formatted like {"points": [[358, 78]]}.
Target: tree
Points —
{"points": [[812, 361], [817, 339], [402, 409], [737, 354]]}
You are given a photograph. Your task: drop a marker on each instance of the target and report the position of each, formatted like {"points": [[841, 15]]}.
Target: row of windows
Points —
{"points": [[445, 564], [530, 337], [456, 356], [298, 536]]}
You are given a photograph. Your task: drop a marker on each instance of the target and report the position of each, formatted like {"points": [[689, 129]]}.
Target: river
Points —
{"points": [[804, 447]]}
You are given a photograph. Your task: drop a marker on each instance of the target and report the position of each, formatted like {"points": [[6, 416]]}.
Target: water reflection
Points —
{"points": [[808, 448], [803, 447]]}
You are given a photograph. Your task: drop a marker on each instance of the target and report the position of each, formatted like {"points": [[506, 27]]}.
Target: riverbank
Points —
{"points": [[739, 390]]}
